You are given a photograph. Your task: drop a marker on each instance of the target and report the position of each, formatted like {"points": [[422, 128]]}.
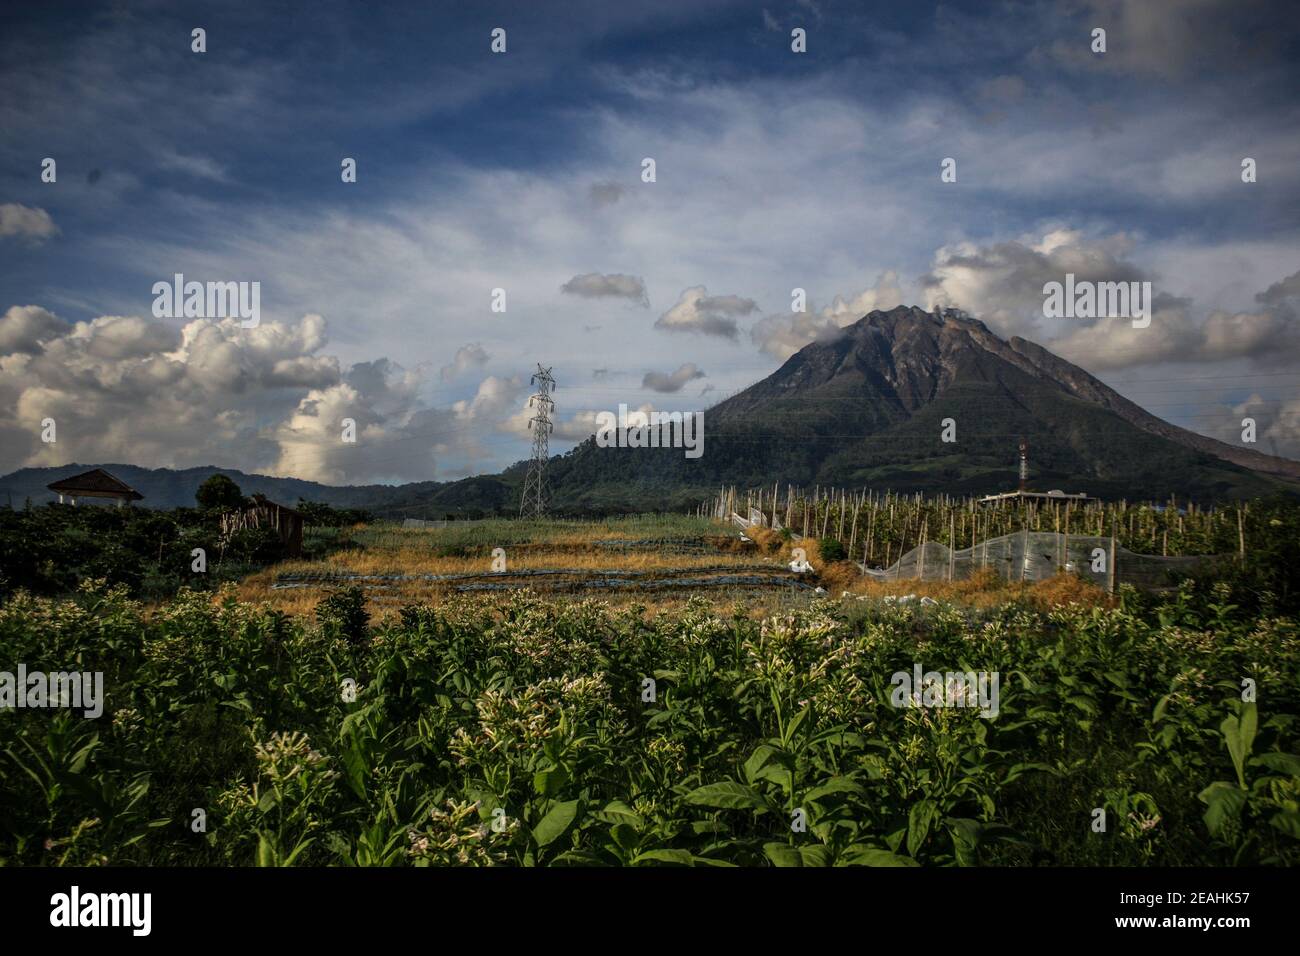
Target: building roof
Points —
{"points": [[261, 501], [96, 483]]}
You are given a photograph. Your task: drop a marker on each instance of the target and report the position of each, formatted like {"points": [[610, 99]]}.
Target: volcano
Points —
{"points": [[871, 407]]}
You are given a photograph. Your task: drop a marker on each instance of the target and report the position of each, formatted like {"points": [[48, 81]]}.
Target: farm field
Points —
{"points": [[657, 560], [738, 724]]}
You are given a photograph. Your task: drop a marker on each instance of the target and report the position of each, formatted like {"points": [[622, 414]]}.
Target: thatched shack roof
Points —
{"points": [[261, 501], [96, 483], [261, 512]]}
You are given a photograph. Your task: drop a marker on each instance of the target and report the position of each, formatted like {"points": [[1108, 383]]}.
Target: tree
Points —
{"points": [[219, 492]]}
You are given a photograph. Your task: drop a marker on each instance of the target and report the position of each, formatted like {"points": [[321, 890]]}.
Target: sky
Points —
{"points": [[524, 171]]}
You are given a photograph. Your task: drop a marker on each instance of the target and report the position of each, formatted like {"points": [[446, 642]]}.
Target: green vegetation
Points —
{"points": [[477, 538], [50, 549], [831, 549], [219, 493], [523, 732]]}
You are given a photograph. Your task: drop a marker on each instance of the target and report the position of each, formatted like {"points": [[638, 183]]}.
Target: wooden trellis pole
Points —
{"points": [[1241, 537], [871, 526], [853, 535], [1114, 561], [952, 542], [921, 560]]}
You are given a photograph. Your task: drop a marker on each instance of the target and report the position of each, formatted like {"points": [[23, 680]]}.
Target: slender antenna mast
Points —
{"points": [[1024, 465], [532, 504]]}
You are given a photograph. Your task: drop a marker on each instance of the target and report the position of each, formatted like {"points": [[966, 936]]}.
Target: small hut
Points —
{"points": [[261, 512], [95, 483], [1080, 497], [1023, 493]]}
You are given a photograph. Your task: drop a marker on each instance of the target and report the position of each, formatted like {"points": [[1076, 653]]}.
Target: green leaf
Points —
{"points": [[872, 856], [793, 727], [616, 811], [1239, 734], [816, 854], [679, 857], [356, 767], [708, 826], [556, 822], [1288, 821], [895, 840], [1224, 803], [782, 854], [625, 836], [834, 785], [919, 820], [1162, 705], [1023, 768], [265, 851], [579, 858], [1288, 764], [298, 849], [727, 795], [966, 836], [549, 783], [760, 764], [1085, 704]]}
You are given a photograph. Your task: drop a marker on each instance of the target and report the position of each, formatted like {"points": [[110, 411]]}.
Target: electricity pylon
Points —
{"points": [[532, 504]]}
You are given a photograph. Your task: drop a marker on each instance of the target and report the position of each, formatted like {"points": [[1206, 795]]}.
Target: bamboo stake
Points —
{"points": [[1114, 561], [871, 526], [853, 535], [1241, 537], [952, 541], [921, 559], [1066, 546]]}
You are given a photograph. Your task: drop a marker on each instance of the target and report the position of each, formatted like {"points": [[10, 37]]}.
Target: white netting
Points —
{"points": [[1035, 555]]}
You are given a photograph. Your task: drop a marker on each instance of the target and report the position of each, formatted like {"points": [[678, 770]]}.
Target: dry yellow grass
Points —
{"points": [[413, 561], [983, 589], [413, 553]]}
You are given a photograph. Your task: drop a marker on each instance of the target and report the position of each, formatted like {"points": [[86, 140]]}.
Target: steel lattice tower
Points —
{"points": [[532, 504]]}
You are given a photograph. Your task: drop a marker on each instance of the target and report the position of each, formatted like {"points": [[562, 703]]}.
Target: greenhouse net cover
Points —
{"points": [[1035, 555]]}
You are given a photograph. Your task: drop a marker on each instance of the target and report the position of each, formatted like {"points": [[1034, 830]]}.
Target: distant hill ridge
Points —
{"points": [[863, 409], [174, 488]]}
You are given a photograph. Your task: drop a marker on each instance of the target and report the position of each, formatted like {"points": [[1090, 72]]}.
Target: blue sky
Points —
{"points": [[522, 171]]}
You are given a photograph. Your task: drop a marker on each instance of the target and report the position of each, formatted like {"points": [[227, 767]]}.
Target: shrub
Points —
{"points": [[254, 546], [342, 613], [831, 549]]}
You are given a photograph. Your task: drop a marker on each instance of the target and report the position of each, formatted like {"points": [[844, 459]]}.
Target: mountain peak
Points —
{"points": [[867, 404], [914, 313]]}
